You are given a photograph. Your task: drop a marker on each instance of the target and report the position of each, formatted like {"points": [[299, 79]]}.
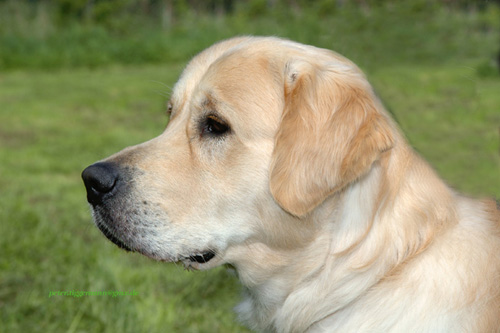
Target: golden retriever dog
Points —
{"points": [[280, 161]]}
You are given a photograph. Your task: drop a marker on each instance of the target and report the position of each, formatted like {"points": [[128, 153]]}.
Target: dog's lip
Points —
{"points": [[109, 235], [203, 257]]}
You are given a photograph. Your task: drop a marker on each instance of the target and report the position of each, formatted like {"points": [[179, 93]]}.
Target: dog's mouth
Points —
{"points": [[202, 258], [195, 259]]}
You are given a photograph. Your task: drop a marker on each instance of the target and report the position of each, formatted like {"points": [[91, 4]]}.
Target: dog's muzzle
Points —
{"points": [[107, 185]]}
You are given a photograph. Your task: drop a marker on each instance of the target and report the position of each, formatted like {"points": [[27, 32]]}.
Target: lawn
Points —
{"points": [[53, 123]]}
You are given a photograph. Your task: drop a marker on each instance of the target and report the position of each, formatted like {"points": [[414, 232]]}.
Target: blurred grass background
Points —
{"points": [[82, 79]]}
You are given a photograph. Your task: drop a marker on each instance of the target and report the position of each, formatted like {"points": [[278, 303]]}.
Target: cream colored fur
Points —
{"points": [[331, 220]]}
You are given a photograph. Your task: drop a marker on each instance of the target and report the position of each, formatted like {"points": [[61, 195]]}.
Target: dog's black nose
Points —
{"points": [[100, 179]]}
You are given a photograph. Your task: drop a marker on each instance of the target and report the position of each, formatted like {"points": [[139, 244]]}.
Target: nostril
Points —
{"points": [[99, 180], [102, 184]]}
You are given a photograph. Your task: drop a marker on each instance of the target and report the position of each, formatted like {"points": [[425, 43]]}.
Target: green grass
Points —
{"points": [[436, 77], [411, 31], [451, 115]]}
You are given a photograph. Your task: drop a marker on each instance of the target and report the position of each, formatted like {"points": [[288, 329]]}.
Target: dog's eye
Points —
{"points": [[214, 126], [169, 109]]}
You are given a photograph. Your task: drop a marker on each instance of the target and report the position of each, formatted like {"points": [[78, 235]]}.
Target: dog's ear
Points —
{"points": [[330, 135]]}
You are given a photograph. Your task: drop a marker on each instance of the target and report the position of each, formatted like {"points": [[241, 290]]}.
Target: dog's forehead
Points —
{"points": [[198, 66], [242, 71]]}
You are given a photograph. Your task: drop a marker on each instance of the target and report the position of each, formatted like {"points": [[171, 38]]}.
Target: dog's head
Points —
{"points": [[262, 131]]}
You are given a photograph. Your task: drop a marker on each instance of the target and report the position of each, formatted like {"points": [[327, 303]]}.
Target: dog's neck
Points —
{"points": [[339, 258], [270, 273]]}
